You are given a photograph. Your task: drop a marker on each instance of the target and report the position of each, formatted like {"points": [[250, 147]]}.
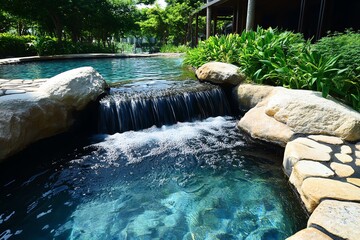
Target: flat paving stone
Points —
{"points": [[342, 170], [308, 234], [345, 149], [342, 219], [327, 139], [344, 158], [313, 190], [355, 181], [304, 169], [357, 146], [313, 144], [357, 154], [357, 162]]}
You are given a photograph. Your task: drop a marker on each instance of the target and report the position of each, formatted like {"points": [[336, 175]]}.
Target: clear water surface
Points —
{"points": [[198, 180], [112, 69]]}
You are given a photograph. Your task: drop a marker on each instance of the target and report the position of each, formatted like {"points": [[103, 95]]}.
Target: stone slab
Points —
{"points": [[345, 149], [313, 190], [295, 152], [309, 234], [339, 218], [355, 181], [327, 139], [304, 169], [342, 170], [314, 144], [344, 158]]}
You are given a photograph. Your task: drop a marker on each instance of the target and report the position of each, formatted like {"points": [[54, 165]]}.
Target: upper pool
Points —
{"points": [[112, 69]]}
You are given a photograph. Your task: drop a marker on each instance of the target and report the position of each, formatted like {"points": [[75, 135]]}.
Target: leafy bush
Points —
{"points": [[347, 47], [284, 59], [16, 46], [169, 48], [20, 46]]}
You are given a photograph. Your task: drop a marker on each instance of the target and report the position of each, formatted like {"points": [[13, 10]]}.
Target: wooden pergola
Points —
{"points": [[310, 17]]}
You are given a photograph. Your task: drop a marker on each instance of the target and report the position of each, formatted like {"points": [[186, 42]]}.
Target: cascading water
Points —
{"points": [[199, 178], [136, 107]]}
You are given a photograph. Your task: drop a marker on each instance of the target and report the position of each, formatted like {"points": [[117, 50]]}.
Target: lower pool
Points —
{"points": [[199, 180]]}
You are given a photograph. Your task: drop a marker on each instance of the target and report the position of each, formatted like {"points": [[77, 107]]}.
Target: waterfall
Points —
{"points": [[127, 109]]}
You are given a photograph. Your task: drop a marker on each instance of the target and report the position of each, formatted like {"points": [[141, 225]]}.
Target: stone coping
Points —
{"points": [[325, 171], [84, 56]]}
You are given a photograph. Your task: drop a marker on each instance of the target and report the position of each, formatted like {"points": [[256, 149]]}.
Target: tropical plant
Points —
{"points": [[269, 56]]}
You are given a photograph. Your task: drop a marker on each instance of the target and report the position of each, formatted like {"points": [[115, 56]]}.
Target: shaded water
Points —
{"points": [[199, 180], [191, 180]]}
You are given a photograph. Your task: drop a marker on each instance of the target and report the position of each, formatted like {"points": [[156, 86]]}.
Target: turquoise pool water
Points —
{"points": [[190, 180], [112, 69], [200, 180]]}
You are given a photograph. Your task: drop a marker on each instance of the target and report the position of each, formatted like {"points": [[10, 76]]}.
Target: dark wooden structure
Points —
{"points": [[313, 18]]}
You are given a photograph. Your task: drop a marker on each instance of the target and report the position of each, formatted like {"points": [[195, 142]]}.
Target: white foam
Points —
{"points": [[137, 145]]}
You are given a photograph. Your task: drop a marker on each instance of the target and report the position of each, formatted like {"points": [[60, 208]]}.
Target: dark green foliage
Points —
{"points": [[285, 59], [15, 46], [347, 47]]}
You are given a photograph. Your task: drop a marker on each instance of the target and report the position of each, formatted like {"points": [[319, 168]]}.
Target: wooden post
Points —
{"points": [[321, 19], [208, 22], [301, 16], [197, 29], [250, 18], [237, 29]]}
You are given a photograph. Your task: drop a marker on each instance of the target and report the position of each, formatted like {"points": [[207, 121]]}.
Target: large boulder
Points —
{"points": [[296, 111], [29, 117], [75, 88], [220, 73]]}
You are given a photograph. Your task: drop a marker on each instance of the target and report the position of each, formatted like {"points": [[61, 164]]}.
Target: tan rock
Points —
{"points": [[249, 95], [75, 87], [313, 190], [309, 234], [342, 170], [357, 162], [327, 139], [308, 112], [260, 126], [220, 73], [295, 152], [357, 146], [28, 117], [357, 154], [344, 158], [304, 169], [313, 144], [355, 181], [345, 149], [342, 219]]}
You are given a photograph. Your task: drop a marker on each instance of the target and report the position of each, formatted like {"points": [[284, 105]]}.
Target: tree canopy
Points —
{"points": [[102, 20]]}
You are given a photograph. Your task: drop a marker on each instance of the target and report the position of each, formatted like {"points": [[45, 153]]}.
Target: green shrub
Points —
{"points": [[269, 56], [16, 46]]}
